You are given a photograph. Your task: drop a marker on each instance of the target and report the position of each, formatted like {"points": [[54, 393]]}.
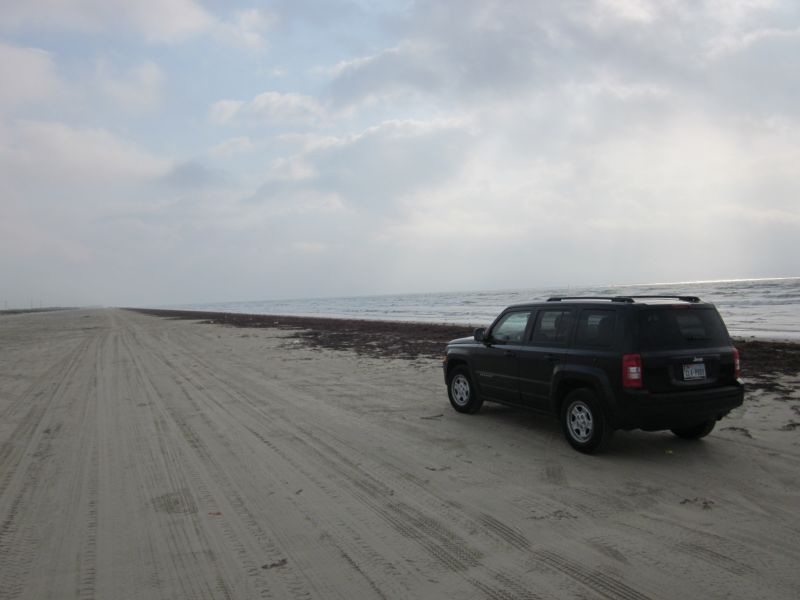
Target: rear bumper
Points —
{"points": [[652, 411]]}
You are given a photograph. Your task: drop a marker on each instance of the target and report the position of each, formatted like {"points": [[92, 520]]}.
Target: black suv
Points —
{"points": [[600, 364]]}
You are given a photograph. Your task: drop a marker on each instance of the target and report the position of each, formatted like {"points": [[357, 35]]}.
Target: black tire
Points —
{"points": [[695, 432], [461, 392], [584, 422]]}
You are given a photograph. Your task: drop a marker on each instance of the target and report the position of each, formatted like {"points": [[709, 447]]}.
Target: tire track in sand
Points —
{"points": [[205, 473], [301, 443], [38, 399], [453, 552], [23, 461], [203, 401], [600, 583], [162, 468], [87, 560], [443, 544]]}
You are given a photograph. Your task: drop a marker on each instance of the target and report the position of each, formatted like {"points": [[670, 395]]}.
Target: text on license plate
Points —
{"points": [[694, 371]]}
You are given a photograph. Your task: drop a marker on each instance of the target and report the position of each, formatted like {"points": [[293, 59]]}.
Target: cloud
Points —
{"points": [[535, 142], [27, 76], [247, 29], [32, 84], [224, 111], [410, 190], [516, 51], [409, 68], [373, 171], [232, 147], [639, 11], [139, 89], [155, 20], [273, 106], [47, 155], [592, 133], [741, 43], [494, 50], [192, 175], [58, 183], [309, 247], [269, 108]]}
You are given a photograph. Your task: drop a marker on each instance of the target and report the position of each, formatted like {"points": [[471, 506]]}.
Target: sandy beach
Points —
{"points": [[150, 457]]}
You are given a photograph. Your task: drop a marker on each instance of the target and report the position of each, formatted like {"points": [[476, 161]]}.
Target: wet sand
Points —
{"points": [[146, 457]]}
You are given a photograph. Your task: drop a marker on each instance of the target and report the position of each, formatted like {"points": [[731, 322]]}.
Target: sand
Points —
{"points": [[143, 457]]}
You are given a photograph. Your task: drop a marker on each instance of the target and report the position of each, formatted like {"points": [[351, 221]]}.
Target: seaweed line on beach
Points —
{"points": [[382, 339], [762, 360]]}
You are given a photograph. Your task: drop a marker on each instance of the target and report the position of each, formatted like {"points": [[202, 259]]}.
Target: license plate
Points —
{"points": [[694, 371]]}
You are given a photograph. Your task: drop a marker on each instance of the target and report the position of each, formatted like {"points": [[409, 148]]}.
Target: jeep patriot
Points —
{"points": [[602, 364]]}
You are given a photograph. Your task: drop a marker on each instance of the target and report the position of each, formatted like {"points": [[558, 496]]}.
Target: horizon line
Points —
{"points": [[734, 280]]}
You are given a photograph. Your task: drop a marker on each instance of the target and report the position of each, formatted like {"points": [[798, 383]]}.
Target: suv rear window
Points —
{"points": [[681, 327]]}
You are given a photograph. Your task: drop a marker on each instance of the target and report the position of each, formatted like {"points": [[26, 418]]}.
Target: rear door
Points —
{"points": [[496, 363], [684, 347], [539, 357]]}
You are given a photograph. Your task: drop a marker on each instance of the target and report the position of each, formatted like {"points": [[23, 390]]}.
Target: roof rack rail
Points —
{"points": [[692, 299], [625, 299], [609, 298]]}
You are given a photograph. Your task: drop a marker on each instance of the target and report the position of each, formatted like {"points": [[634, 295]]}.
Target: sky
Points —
{"points": [[157, 152]]}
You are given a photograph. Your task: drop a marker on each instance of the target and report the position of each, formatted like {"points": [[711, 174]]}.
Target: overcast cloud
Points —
{"points": [[178, 151]]}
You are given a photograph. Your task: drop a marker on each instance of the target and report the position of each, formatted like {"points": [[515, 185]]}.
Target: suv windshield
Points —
{"points": [[681, 327]]}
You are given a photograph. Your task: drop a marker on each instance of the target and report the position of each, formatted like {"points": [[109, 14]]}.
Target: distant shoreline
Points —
{"points": [[23, 311], [762, 360]]}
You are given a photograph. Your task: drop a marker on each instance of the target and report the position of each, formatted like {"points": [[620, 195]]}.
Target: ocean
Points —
{"points": [[760, 308]]}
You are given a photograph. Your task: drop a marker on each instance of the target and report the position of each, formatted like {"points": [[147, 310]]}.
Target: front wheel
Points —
{"points": [[584, 423], [695, 432], [462, 393]]}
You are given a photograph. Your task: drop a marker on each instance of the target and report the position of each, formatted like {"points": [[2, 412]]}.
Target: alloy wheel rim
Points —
{"points": [[580, 422], [460, 389]]}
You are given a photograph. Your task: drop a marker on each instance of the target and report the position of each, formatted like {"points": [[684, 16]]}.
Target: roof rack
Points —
{"points": [[625, 299], [692, 299], [609, 298]]}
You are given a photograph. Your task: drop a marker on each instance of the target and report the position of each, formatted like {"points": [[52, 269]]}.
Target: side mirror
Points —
{"points": [[480, 334]]}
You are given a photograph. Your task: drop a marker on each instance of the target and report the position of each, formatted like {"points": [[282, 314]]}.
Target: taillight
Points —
{"points": [[737, 364], [632, 371]]}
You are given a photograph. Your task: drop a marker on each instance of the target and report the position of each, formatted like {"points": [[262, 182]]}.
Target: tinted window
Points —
{"points": [[511, 328], [682, 327], [596, 328], [552, 327]]}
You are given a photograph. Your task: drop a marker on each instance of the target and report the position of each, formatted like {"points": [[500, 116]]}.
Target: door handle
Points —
{"points": [[552, 358], [509, 353]]}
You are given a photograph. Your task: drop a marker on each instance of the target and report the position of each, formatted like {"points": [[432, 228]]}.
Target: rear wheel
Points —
{"points": [[695, 432], [461, 391], [584, 422]]}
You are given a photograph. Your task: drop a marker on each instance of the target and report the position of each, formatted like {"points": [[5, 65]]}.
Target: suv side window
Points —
{"points": [[511, 328], [596, 328], [552, 327]]}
